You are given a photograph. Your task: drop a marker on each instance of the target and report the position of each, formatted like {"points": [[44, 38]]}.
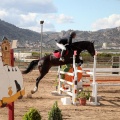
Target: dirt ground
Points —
{"points": [[43, 100]]}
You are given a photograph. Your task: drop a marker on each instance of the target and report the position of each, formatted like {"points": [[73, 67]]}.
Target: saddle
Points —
{"points": [[57, 53]]}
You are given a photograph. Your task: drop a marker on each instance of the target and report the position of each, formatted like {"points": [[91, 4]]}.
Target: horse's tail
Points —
{"points": [[30, 67]]}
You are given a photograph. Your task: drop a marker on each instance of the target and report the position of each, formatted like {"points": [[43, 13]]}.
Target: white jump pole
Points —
{"points": [[74, 87], [94, 83]]}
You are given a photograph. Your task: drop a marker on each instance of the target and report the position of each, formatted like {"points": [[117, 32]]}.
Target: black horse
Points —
{"points": [[45, 63]]}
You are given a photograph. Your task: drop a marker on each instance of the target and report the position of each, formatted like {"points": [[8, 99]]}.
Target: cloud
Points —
{"points": [[28, 20], [33, 6], [46, 27], [61, 19], [28, 13], [108, 22], [9, 17], [3, 13], [64, 19]]}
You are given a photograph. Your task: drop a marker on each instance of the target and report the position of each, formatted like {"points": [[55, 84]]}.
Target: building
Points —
{"points": [[104, 46]]}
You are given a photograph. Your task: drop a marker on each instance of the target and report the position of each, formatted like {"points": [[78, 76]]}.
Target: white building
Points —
{"points": [[21, 56], [104, 46]]}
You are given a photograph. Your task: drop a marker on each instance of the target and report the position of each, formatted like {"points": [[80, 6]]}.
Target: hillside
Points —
{"points": [[22, 35], [13, 32]]}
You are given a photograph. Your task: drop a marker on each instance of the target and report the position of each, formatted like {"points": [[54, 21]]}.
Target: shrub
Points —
{"points": [[55, 113], [83, 94], [32, 114], [35, 54]]}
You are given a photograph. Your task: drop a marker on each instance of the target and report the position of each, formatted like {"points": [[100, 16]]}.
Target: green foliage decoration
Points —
{"points": [[32, 114], [55, 113]]}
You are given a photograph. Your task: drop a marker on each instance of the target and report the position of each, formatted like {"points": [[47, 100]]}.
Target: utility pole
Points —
{"points": [[41, 22]]}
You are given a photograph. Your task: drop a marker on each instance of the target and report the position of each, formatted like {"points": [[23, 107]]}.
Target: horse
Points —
{"points": [[46, 62]]}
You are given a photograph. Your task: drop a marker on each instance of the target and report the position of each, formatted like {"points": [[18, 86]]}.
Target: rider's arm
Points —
{"points": [[70, 40], [63, 41]]}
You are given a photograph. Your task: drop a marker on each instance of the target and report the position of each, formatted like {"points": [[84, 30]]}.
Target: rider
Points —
{"points": [[61, 43]]}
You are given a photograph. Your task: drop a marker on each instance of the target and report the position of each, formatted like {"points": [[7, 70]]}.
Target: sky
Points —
{"points": [[59, 15]]}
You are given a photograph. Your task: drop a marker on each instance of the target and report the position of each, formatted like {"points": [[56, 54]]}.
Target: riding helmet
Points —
{"points": [[73, 33]]}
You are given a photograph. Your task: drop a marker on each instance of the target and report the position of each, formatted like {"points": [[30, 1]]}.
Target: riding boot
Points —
{"points": [[80, 63], [62, 54]]}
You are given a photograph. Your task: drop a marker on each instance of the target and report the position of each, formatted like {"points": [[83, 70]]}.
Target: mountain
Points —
{"points": [[108, 36], [12, 32]]}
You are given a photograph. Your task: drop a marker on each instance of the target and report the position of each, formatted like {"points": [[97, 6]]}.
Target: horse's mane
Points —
{"points": [[81, 42]]}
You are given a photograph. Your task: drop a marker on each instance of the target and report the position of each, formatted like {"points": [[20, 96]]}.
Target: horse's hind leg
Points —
{"points": [[37, 82], [43, 72]]}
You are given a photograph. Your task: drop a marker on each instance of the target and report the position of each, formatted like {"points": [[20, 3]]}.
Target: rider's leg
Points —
{"points": [[79, 61], [63, 48], [62, 55]]}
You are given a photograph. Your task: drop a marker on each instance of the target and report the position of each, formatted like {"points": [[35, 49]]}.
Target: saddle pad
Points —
{"points": [[57, 54]]}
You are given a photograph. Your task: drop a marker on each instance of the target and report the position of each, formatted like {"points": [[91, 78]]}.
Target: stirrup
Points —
{"points": [[61, 59]]}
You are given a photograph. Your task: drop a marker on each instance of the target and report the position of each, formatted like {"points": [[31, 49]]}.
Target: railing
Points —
{"points": [[102, 62]]}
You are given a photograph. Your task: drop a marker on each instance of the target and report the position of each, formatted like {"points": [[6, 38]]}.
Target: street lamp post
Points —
{"points": [[41, 22]]}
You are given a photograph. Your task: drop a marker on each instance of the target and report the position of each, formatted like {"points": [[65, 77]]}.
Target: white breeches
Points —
{"points": [[61, 46]]}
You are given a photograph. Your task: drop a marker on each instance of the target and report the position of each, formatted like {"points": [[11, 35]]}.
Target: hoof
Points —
{"points": [[32, 91], [29, 95]]}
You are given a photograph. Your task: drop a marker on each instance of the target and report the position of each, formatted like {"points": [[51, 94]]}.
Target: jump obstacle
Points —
{"points": [[11, 83], [72, 91], [73, 94]]}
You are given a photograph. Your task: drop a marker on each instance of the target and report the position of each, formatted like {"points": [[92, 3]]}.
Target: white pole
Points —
{"points": [[94, 84], [74, 90], [94, 69]]}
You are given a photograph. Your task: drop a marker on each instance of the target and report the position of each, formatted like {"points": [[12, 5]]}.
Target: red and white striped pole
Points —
{"points": [[11, 105]]}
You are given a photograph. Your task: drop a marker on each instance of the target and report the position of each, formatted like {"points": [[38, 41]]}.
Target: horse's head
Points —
{"points": [[91, 49]]}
